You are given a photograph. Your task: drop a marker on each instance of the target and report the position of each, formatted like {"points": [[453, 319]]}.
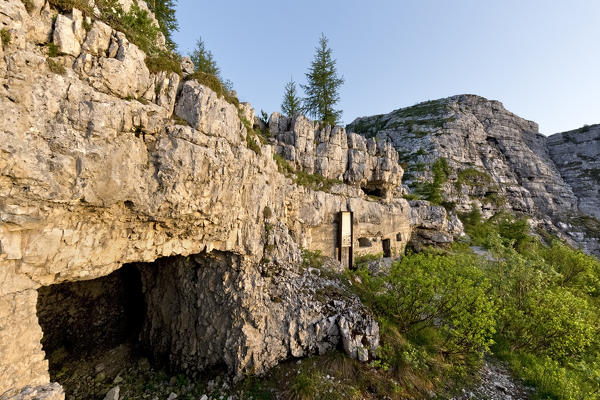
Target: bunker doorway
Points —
{"points": [[387, 248]]}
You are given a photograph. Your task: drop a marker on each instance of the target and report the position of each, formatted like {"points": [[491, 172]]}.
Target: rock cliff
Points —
{"points": [[105, 163], [127, 192], [496, 161], [576, 154]]}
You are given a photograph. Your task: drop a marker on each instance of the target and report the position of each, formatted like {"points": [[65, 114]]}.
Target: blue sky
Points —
{"points": [[540, 58]]}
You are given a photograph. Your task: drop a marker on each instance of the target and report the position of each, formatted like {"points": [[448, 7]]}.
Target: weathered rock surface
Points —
{"points": [[51, 391], [475, 133], [497, 161], [91, 179], [280, 313], [576, 154], [336, 154]]}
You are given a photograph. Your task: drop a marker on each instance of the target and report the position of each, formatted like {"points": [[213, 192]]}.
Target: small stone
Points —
{"points": [[113, 394], [172, 396], [118, 379]]}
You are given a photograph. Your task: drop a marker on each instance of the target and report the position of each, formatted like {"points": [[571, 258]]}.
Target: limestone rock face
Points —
{"points": [[96, 173], [51, 391], [254, 327], [496, 161], [118, 60], [433, 226], [475, 134], [577, 157], [68, 33], [336, 154], [204, 111]]}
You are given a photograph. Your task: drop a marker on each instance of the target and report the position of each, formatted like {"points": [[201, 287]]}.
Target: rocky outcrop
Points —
{"points": [[433, 226], [576, 154], [336, 154], [51, 391], [278, 314], [96, 173], [496, 161]]}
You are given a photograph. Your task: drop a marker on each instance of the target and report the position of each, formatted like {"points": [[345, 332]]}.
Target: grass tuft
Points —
{"points": [[56, 66], [5, 37]]}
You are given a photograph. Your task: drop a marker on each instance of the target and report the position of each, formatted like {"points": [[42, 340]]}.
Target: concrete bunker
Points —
{"points": [[174, 313]]}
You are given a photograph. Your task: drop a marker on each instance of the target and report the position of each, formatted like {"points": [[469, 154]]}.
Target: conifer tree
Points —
{"points": [[322, 90], [203, 59], [164, 10], [291, 102]]}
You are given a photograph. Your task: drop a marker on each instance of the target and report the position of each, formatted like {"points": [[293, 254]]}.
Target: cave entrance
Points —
{"points": [[143, 322], [373, 191], [91, 329]]}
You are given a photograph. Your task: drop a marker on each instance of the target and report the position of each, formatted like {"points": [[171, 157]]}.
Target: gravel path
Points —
{"points": [[497, 383]]}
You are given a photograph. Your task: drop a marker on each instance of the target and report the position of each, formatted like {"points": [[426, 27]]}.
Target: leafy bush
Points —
{"points": [[511, 229], [446, 291]]}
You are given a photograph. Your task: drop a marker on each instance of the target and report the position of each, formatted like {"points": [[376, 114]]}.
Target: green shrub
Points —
{"points": [[508, 227], [56, 66], [410, 196], [426, 290], [53, 50], [312, 259], [252, 145], [362, 261], [432, 191], [267, 213], [168, 62], [28, 5], [575, 268], [5, 37], [473, 177], [552, 380]]}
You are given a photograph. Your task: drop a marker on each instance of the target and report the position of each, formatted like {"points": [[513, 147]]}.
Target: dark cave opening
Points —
{"points": [[92, 327], [143, 322], [373, 191]]}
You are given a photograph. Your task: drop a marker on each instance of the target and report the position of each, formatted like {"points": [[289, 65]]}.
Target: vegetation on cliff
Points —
{"points": [[291, 103], [323, 83]]}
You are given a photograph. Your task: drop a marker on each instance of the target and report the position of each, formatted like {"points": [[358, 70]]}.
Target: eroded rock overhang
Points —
{"points": [[95, 174]]}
